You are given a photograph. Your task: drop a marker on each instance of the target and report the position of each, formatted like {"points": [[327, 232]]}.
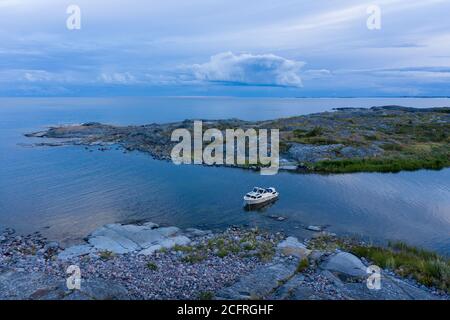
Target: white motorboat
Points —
{"points": [[260, 195]]}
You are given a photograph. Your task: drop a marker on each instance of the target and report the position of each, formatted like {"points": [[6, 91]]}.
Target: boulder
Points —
{"points": [[118, 246], [391, 288], [75, 251], [121, 239], [323, 234], [278, 218], [292, 247], [124, 238], [316, 256], [98, 289], [167, 243], [168, 231], [314, 228], [261, 282], [21, 285], [150, 250], [197, 232], [345, 264], [142, 236], [181, 240], [295, 289], [151, 225]]}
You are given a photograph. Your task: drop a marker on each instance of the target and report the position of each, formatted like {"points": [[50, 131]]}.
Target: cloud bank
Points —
{"points": [[250, 69], [138, 49]]}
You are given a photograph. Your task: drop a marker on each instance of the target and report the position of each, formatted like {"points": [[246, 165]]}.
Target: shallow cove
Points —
{"points": [[66, 192]]}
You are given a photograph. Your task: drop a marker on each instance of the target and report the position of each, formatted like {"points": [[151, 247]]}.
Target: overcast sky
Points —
{"points": [[225, 47]]}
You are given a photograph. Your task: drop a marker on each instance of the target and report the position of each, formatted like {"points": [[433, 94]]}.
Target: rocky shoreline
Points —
{"points": [[151, 262]]}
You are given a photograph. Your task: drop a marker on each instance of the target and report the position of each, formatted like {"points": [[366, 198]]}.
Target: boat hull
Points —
{"points": [[251, 202]]}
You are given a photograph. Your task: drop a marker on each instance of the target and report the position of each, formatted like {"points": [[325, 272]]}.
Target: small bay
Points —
{"points": [[66, 192]]}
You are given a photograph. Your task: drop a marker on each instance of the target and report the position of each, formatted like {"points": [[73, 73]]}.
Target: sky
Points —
{"points": [[285, 48]]}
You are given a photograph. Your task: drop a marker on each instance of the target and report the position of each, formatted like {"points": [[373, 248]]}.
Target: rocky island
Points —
{"points": [[379, 139]]}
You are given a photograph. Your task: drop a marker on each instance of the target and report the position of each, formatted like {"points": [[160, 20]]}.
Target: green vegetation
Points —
{"points": [[325, 242], [106, 255], [372, 137], [424, 132], [222, 246], [409, 139], [303, 265], [301, 133], [183, 248], [194, 257], [317, 136], [381, 165], [206, 295], [426, 267], [266, 251], [392, 147], [152, 266]]}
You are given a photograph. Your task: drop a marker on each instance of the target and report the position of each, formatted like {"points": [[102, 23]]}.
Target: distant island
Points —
{"points": [[378, 139]]}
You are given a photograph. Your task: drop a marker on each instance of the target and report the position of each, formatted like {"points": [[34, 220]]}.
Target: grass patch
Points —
{"points": [[224, 246], [163, 250], [325, 243], [302, 265], [152, 266], [426, 267], [320, 140], [247, 245], [382, 165], [205, 295], [372, 137], [266, 251], [392, 147], [183, 248], [194, 257], [301, 133], [426, 132], [315, 136], [106, 255], [222, 253]]}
